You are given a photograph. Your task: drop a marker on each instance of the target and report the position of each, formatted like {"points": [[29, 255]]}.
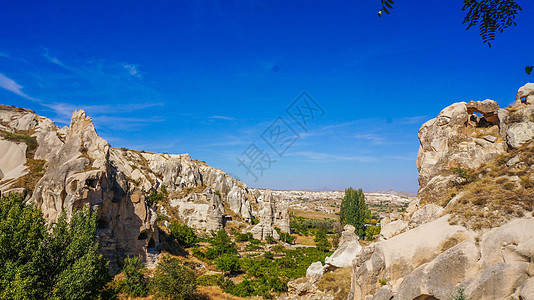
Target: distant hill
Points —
{"points": [[396, 193]]}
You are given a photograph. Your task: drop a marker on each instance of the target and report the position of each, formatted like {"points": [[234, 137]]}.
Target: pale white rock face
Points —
{"points": [[440, 276], [315, 271], [444, 144], [515, 233], [272, 214], [499, 281], [201, 211], [397, 257], [393, 228], [527, 291], [426, 214], [12, 159], [526, 93], [347, 251], [520, 133]]}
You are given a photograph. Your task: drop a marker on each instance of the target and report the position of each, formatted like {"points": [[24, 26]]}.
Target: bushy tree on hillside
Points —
{"points": [[59, 262], [221, 244], [174, 281], [354, 211], [184, 234], [321, 241], [135, 283]]}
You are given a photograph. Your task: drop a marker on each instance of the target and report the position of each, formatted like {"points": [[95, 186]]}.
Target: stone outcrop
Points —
{"points": [[348, 249], [273, 214], [76, 168], [424, 256], [458, 138]]}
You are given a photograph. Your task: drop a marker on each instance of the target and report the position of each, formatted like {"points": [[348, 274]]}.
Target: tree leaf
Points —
{"points": [[528, 69]]}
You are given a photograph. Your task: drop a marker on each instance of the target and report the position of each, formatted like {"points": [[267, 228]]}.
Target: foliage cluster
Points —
{"points": [[307, 227], [44, 262], [184, 234], [354, 211]]}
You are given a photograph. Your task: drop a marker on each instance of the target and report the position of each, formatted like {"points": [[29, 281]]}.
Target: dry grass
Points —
{"points": [[336, 283], [215, 292], [496, 192], [316, 215]]}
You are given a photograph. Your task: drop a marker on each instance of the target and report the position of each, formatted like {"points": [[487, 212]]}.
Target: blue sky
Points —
{"points": [[209, 77]]}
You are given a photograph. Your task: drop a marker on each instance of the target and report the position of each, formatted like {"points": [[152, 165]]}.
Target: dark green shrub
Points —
{"points": [[173, 281], [135, 283], [228, 263], [220, 244], [243, 237], [268, 255], [371, 231], [269, 239], [184, 234], [321, 242], [210, 280]]}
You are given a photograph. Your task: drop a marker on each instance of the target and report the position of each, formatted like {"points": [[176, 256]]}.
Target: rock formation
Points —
{"points": [[273, 215], [72, 167], [427, 253], [348, 249]]}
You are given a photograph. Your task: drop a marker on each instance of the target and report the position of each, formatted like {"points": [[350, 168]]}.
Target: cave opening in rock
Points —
{"points": [[151, 243], [142, 236], [425, 297], [102, 223], [91, 182]]}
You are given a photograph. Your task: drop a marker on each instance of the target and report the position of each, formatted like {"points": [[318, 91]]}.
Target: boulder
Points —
{"points": [[440, 276], [520, 133], [348, 249], [496, 282], [393, 228], [384, 293], [527, 290], [398, 256], [315, 271], [494, 243], [426, 214], [526, 94]]}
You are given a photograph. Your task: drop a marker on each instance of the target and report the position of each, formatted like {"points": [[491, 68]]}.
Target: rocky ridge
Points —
{"points": [[72, 167], [469, 153]]}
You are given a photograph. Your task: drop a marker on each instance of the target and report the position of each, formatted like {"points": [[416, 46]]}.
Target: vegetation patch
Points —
{"points": [[496, 191]]}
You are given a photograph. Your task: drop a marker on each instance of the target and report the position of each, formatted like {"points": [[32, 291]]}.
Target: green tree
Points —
{"points": [[353, 210], [228, 263], [321, 241], [22, 232], [221, 244], [58, 262], [135, 283], [71, 260], [184, 234], [174, 281]]}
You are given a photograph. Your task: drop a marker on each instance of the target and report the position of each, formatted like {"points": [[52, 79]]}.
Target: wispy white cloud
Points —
{"points": [[53, 59], [226, 118], [373, 138], [319, 156], [10, 85], [3, 54], [64, 111], [411, 120], [132, 70]]}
